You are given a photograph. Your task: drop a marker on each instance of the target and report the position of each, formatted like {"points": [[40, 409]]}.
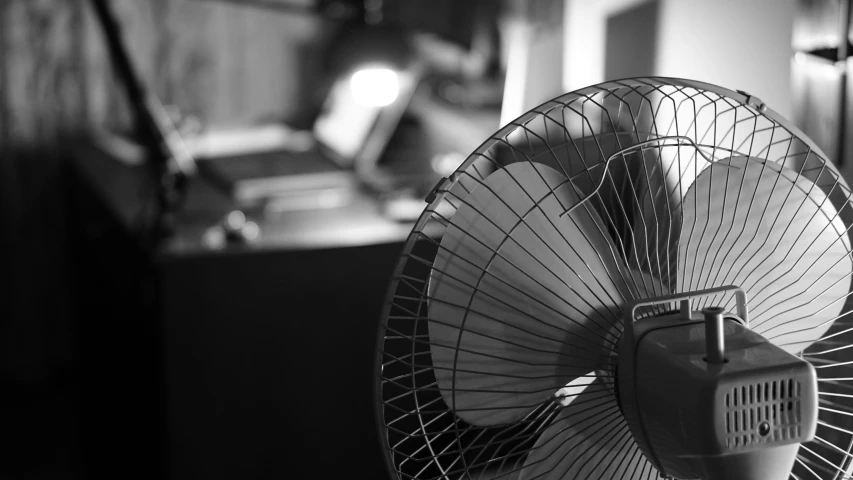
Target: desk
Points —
{"points": [[247, 362]]}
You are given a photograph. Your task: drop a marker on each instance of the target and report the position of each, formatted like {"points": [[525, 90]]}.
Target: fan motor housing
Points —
{"points": [[740, 419]]}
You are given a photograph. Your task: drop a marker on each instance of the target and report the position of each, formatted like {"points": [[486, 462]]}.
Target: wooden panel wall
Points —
{"points": [[225, 64]]}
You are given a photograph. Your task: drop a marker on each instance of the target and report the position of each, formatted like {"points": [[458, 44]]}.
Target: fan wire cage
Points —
{"points": [[629, 150]]}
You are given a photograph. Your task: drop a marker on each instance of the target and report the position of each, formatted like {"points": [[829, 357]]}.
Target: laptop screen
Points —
{"points": [[356, 125], [344, 124]]}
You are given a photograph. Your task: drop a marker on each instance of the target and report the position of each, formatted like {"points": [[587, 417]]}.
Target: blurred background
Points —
{"points": [[203, 200]]}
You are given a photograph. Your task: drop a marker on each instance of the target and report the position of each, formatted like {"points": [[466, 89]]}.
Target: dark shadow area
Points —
{"points": [[630, 46]]}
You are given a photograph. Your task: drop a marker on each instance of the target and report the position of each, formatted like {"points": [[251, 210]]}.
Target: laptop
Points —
{"points": [[272, 163]]}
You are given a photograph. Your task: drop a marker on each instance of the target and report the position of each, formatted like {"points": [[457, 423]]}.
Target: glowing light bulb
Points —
{"points": [[375, 87]]}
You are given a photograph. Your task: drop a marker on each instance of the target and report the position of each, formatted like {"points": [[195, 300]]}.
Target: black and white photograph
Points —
{"points": [[426, 239]]}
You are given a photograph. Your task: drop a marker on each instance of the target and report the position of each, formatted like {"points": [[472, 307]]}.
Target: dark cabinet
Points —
{"points": [[247, 362]]}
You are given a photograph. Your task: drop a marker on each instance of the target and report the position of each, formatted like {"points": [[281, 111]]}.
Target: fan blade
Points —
{"points": [[522, 300], [657, 219], [587, 439], [645, 285], [772, 232]]}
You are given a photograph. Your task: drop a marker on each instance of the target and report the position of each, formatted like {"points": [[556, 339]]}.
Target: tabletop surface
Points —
{"points": [[351, 217]]}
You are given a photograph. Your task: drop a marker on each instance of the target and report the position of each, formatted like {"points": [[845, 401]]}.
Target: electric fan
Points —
{"points": [[646, 278]]}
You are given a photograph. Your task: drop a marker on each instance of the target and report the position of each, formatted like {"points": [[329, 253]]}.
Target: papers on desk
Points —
{"points": [[248, 140], [213, 143]]}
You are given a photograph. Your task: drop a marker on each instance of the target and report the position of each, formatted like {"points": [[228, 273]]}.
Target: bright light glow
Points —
{"points": [[445, 164], [573, 389], [375, 87]]}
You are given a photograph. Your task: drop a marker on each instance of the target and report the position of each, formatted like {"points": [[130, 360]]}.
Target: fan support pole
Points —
{"points": [[714, 337]]}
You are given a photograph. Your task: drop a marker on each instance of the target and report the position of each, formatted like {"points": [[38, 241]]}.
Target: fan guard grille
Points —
{"points": [[576, 134]]}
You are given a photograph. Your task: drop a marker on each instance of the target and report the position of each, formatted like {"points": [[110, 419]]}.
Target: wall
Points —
{"points": [[738, 44], [586, 38], [532, 37], [222, 62]]}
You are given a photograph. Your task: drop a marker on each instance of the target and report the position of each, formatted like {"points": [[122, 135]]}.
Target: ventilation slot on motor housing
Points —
{"points": [[763, 412]]}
